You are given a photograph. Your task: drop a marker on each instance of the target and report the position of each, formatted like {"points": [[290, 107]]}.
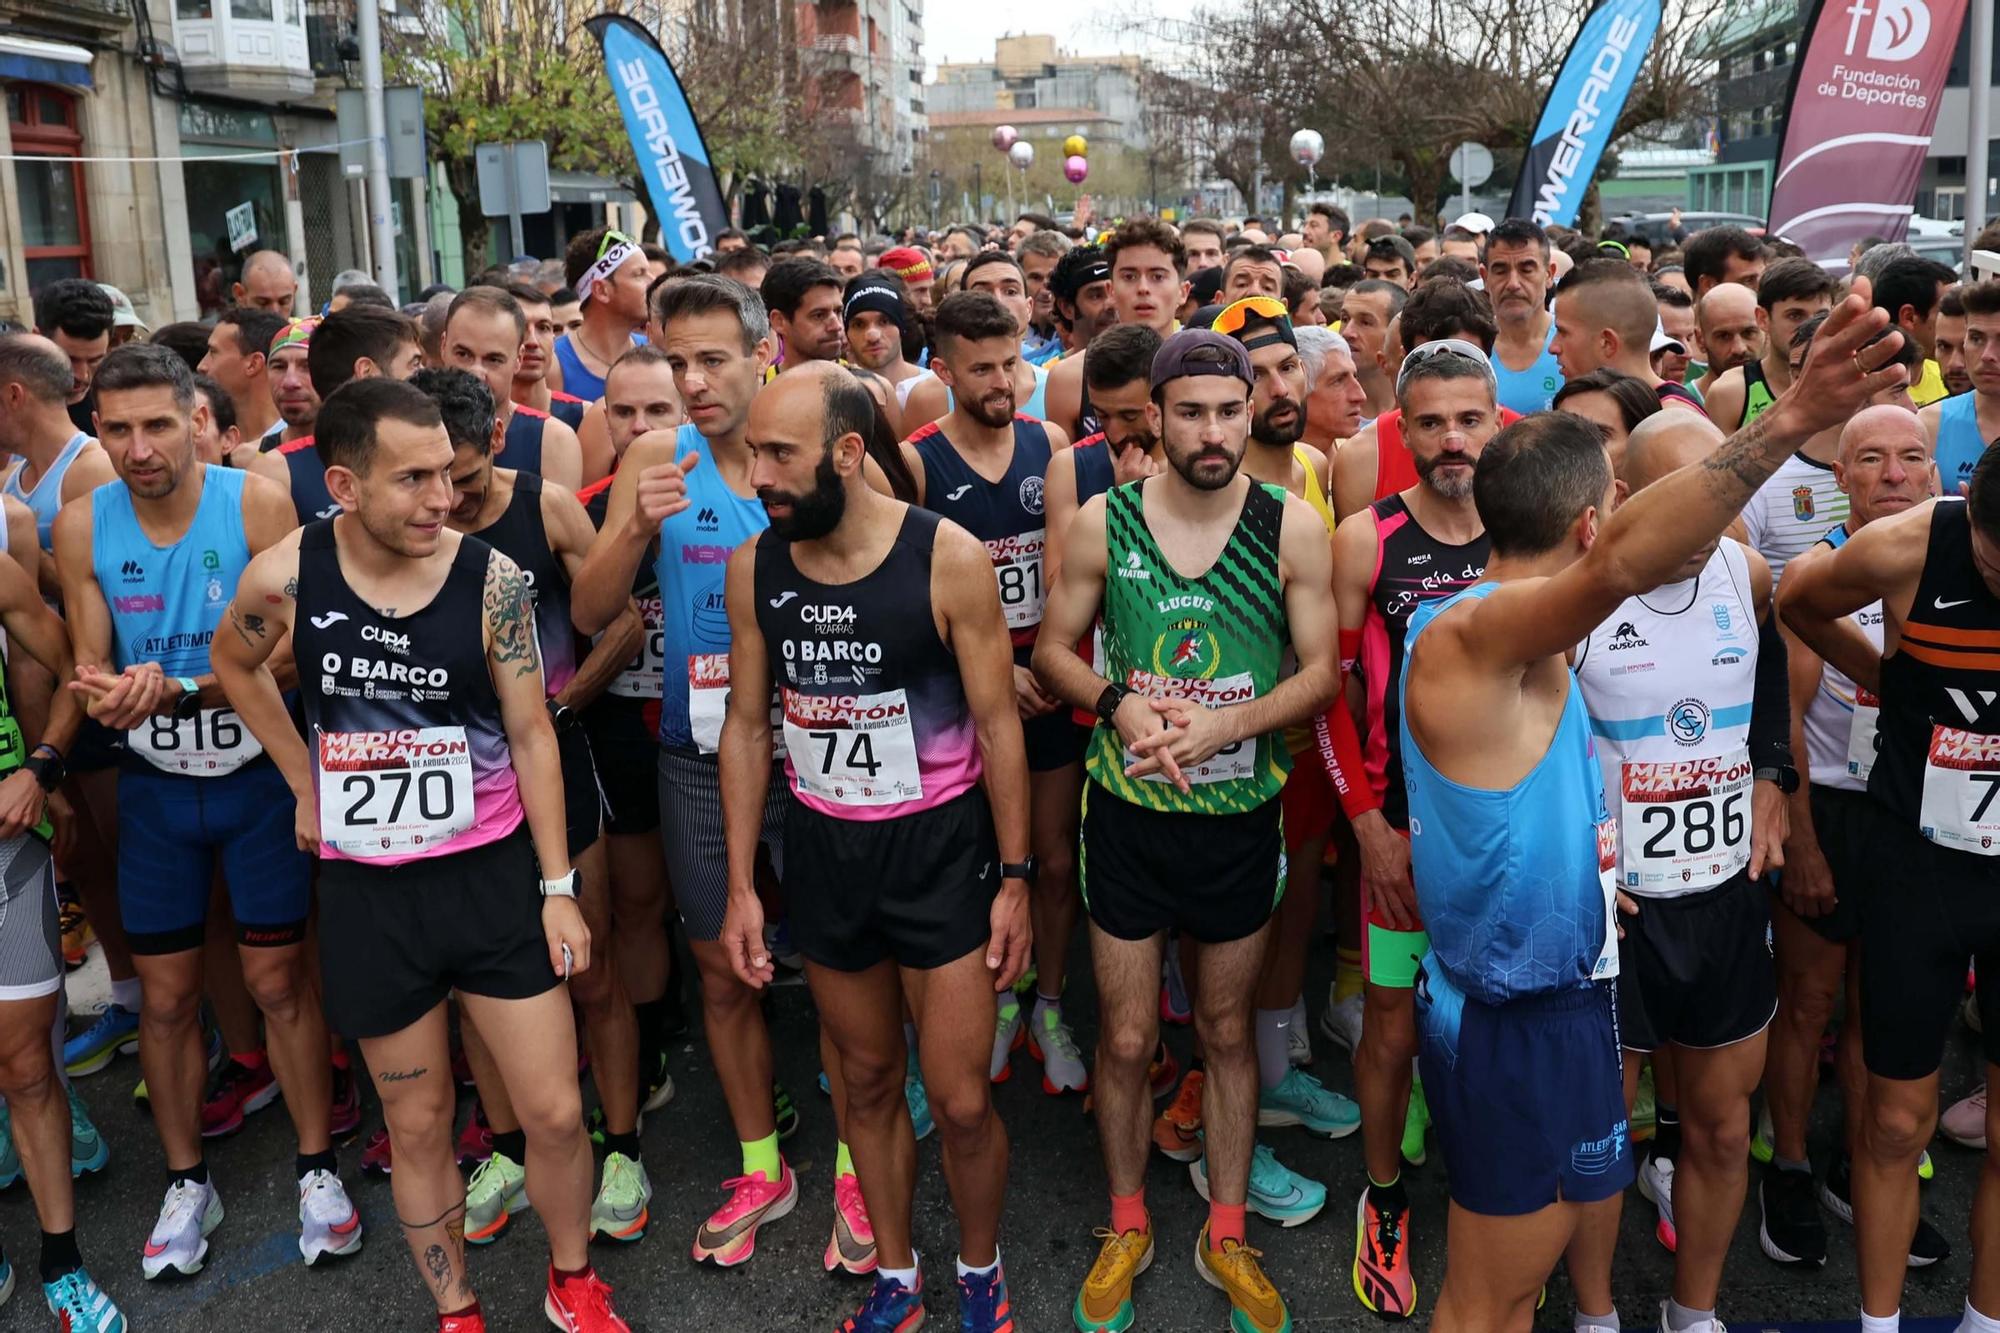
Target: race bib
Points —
{"points": [[708, 703], [1961, 779], [1017, 565], [394, 793], [209, 744], [1606, 966], [1686, 823], [853, 749], [642, 676], [1861, 733], [1232, 761]]}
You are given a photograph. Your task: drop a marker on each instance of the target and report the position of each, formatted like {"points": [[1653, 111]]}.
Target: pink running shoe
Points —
{"points": [[852, 1249], [729, 1237], [375, 1153], [475, 1141], [1965, 1123]]}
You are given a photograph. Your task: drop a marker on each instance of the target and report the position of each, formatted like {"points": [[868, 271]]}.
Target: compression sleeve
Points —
{"points": [[1350, 650], [1339, 744], [1771, 700]]}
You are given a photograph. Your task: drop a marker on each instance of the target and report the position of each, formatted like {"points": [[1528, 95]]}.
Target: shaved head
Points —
{"points": [[1663, 443], [266, 263], [1883, 424], [1726, 303]]}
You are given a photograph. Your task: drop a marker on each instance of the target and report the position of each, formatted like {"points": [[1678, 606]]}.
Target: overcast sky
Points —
{"points": [[961, 32]]}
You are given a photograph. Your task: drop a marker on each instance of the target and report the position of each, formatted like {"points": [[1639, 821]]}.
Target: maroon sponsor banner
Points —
{"points": [[1858, 123]]}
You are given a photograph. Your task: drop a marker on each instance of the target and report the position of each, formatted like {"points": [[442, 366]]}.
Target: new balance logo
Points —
{"points": [[132, 569], [329, 620], [953, 495], [706, 520], [783, 597]]}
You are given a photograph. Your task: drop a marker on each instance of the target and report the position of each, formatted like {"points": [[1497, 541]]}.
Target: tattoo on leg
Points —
{"points": [[455, 1213], [438, 1264], [454, 1230], [402, 1075]]}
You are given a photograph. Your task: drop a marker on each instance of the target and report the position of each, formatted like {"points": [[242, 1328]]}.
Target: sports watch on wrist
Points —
{"points": [[1022, 870], [189, 703], [1107, 702], [566, 887], [1784, 775], [46, 763]]}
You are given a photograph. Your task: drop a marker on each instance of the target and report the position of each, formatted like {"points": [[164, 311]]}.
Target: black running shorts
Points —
{"points": [[1216, 878], [583, 804], [627, 755], [1696, 970]]}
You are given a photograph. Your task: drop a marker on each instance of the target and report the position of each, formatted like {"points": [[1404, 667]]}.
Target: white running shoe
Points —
{"points": [[329, 1223], [1656, 1182], [179, 1241], [1341, 1021]]}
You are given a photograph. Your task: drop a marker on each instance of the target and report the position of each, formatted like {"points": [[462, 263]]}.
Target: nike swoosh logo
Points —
{"points": [[329, 620], [1942, 605], [953, 495], [782, 598], [154, 1251]]}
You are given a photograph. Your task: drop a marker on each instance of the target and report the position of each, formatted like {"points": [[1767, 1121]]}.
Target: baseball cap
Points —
{"points": [[123, 316], [1205, 286], [1663, 341], [1200, 352], [1382, 245], [908, 263], [1476, 223]]}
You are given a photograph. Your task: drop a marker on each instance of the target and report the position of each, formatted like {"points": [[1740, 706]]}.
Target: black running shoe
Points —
{"points": [[1927, 1247], [1791, 1231]]}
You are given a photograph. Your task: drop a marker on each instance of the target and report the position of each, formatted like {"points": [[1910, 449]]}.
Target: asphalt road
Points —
{"points": [[255, 1280]]}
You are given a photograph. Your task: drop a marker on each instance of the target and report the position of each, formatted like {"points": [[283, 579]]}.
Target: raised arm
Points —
{"points": [[649, 486]]}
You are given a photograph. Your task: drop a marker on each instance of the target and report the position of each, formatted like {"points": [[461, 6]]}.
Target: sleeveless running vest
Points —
{"points": [[1005, 514], [1514, 885], [410, 755], [521, 535], [578, 379], [1937, 760], [690, 569], [1793, 510], [310, 497], [1411, 568], [1668, 680], [1841, 719], [567, 408], [1533, 389], [875, 719], [1094, 472], [521, 446], [1757, 395], [1959, 442], [45, 497], [1218, 638]]}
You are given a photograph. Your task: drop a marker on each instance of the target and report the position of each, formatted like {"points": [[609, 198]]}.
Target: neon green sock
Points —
{"points": [[843, 1162], [763, 1156]]}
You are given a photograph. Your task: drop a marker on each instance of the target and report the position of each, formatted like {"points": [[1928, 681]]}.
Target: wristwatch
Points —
{"points": [[189, 703], [1107, 702], [561, 716], [566, 887], [1023, 870], [1784, 775], [46, 763]]}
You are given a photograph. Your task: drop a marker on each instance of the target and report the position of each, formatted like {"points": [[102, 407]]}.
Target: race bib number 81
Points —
{"points": [[853, 749], [209, 744], [1961, 781], [1017, 566], [394, 793]]}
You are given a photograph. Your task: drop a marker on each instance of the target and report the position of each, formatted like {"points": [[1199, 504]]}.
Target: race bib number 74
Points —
{"points": [[853, 749], [394, 793]]}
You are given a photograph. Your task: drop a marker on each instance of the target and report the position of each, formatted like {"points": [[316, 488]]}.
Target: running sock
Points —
{"points": [[512, 1144], [843, 1161], [1391, 1198], [1128, 1212], [308, 1162], [1883, 1323], [1680, 1319], [60, 1255], [1043, 1002], [470, 1311], [1786, 1164], [568, 1274], [762, 1155], [1225, 1222], [125, 994], [196, 1174], [1346, 974], [628, 1144], [1608, 1323], [1666, 1132], [966, 1270], [1974, 1322], [1299, 1013], [652, 1020], [1274, 1055], [905, 1277]]}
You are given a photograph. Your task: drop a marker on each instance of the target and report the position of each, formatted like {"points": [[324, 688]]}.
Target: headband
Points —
{"points": [[605, 265]]}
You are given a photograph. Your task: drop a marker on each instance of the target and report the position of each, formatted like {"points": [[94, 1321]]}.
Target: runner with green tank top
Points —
{"points": [[1181, 817]]}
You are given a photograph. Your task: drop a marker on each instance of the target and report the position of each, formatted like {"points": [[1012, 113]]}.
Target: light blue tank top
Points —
{"points": [[167, 600], [1959, 444], [692, 564], [1036, 406], [1514, 885], [1531, 390], [46, 497]]}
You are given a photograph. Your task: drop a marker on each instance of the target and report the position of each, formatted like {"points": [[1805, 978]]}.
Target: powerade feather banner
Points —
{"points": [[665, 138], [1583, 107]]}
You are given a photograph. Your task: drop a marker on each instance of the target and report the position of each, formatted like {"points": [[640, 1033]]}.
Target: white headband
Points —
{"points": [[606, 265]]}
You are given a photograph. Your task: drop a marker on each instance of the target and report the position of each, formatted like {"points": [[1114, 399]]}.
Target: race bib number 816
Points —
{"points": [[209, 744]]}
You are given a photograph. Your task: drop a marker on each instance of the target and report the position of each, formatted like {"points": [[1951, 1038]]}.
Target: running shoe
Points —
{"points": [[1163, 1072], [1926, 1171], [1763, 1141], [80, 1305], [919, 1100], [375, 1154], [656, 1086], [10, 1157], [783, 1112], [1341, 1021], [729, 1236], [1104, 1302], [1177, 1130], [1382, 1277], [1656, 1182], [1254, 1304], [582, 1304], [852, 1248], [1298, 1037], [475, 1141], [983, 1305], [499, 1189], [1174, 1005], [1927, 1246], [1416, 1121], [1645, 1111], [1300, 1099], [471, 1321], [179, 1240], [1965, 1122], [619, 1211], [88, 1152], [1009, 1032], [1277, 1193], [114, 1032], [76, 932], [239, 1091], [1790, 1230], [891, 1307], [329, 1223], [1051, 1042], [346, 1104]]}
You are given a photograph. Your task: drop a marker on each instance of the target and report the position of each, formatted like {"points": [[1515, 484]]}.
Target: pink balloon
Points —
{"points": [[1076, 168], [1004, 137]]}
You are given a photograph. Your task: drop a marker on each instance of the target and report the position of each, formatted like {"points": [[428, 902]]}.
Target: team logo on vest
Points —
{"points": [[1803, 507], [710, 614], [132, 572], [1187, 651], [1132, 568], [828, 619], [1625, 636], [140, 604], [1687, 722], [1724, 622], [1031, 494], [706, 520], [215, 594], [394, 642]]}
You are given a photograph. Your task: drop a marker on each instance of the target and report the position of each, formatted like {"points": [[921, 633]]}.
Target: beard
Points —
{"points": [[995, 410], [814, 514], [1200, 469], [1264, 431], [1448, 485]]}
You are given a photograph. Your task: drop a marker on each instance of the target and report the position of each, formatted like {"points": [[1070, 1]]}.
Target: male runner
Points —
{"points": [[565, 311], [1793, 291], [266, 283], [1516, 272], [1081, 284], [146, 564], [997, 274], [877, 320], [1039, 253], [288, 369], [1515, 1013], [1731, 331], [1606, 316], [1252, 270], [1962, 428], [538, 351], [689, 492], [1884, 467], [1910, 290], [1148, 272], [239, 358], [1325, 229], [982, 466], [1929, 833], [1371, 307], [914, 268], [1391, 259], [1118, 372], [1334, 399], [76, 315], [1685, 688], [485, 332], [1181, 821], [881, 627], [431, 746], [1414, 546], [609, 274], [1950, 343], [802, 297], [1723, 254]]}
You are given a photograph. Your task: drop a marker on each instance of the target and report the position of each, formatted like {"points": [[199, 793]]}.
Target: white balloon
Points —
{"points": [[1022, 154], [1308, 147]]}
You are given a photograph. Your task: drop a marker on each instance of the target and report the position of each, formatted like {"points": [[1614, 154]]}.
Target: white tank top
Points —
{"points": [[1668, 680], [1840, 720]]}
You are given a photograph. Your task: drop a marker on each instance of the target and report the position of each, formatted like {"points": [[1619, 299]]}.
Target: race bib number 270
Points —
{"points": [[394, 793]]}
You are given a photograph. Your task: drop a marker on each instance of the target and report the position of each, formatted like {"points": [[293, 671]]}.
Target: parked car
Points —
{"points": [[1657, 227]]}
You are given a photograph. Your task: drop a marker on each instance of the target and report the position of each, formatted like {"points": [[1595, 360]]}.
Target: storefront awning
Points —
{"points": [[43, 61]]}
